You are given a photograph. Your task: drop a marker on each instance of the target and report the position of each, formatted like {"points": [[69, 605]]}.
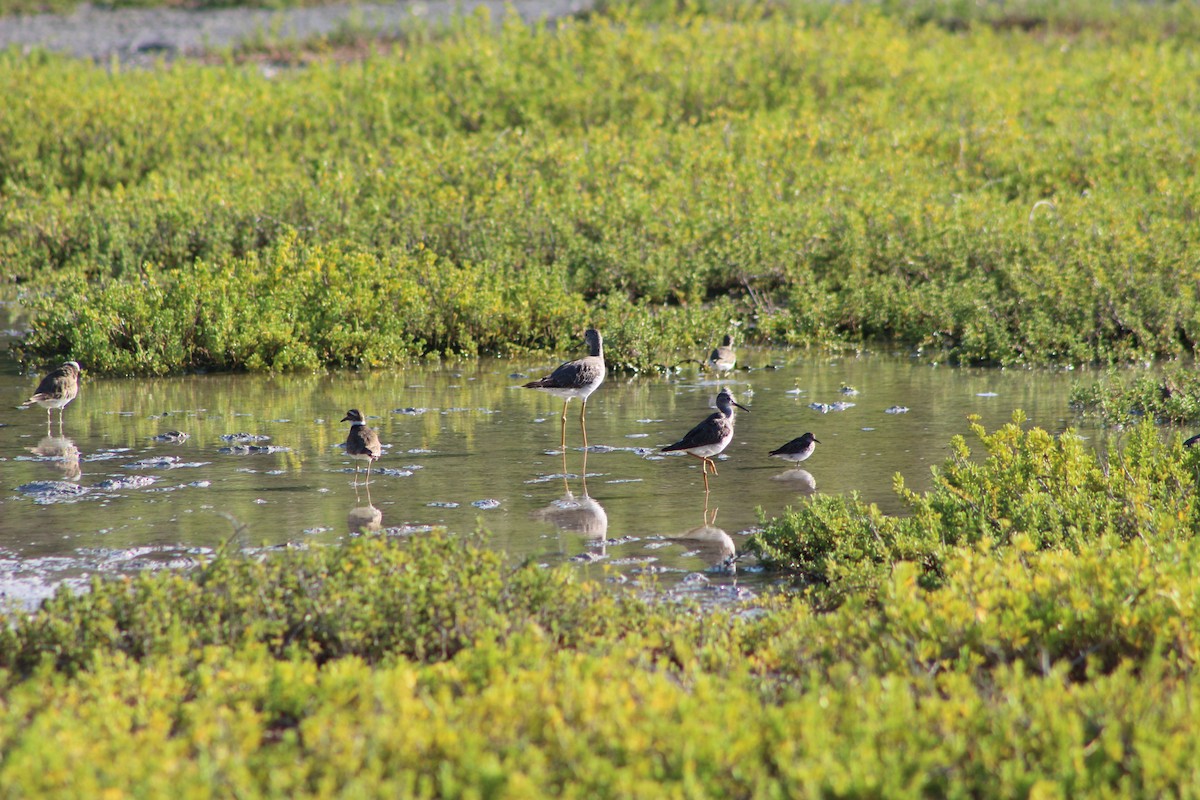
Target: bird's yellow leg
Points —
{"points": [[582, 423], [563, 445]]}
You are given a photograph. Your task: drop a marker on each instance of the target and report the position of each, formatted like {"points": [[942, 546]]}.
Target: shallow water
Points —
{"points": [[467, 448]]}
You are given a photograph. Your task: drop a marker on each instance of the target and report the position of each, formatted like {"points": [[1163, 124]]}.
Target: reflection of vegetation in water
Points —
{"points": [[286, 406], [816, 182]]}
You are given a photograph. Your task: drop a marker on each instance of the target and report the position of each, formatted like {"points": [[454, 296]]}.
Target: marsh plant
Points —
{"points": [[937, 180], [1166, 395]]}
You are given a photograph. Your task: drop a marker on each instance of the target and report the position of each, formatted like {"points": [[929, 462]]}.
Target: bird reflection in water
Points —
{"points": [[577, 513], [62, 453], [800, 479], [364, 519], [710, 543]]}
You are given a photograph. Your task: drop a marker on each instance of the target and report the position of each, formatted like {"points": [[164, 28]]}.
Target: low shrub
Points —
{"points": [[1051, 492], [301, 307], [817, 175], [369, 599], [1170, 395], [1023, 670]]}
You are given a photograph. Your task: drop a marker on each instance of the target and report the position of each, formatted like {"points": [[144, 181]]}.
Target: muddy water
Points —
{"points": [[466, 448]]}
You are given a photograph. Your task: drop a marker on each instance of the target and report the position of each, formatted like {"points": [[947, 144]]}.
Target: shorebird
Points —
{"points": [[797, 449], [58, 388], [723, 358], [711, 436], [362, 443], [576, 379]]}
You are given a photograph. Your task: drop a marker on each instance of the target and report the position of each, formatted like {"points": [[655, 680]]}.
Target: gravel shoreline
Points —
{"points": [[140, 35]]}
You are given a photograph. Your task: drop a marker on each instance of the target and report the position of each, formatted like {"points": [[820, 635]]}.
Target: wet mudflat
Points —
{"points": [[154, 473]]}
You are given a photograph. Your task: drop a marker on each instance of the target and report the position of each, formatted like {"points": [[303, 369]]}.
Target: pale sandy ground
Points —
{"points": [[134, 35]]}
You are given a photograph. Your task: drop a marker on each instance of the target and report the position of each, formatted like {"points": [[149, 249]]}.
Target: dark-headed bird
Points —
{"points": [[798, 449], [362, 443], [711, 436]]}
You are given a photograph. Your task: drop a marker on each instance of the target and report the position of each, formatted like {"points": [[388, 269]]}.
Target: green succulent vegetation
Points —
{"points": [[994, 184], [990, 186], [1029, 630], [1170, 395], [1050, 492]]}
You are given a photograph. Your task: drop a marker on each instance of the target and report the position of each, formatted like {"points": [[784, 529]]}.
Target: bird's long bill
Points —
{"points": [[739, 405]]}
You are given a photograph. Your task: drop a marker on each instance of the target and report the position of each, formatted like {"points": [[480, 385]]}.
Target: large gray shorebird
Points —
{"points": [[711, 436], [362, 443], [577, 378], [57, 389]]}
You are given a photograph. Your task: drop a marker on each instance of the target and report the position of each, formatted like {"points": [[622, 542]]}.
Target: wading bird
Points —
{"points": [[362, 443], [576, 379], [798, 449], [58, 388], [723, 358], [711, 436]]}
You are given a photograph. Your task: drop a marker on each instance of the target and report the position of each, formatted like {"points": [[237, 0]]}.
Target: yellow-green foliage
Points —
{"points": [[1047, 492], [837, 175], [301, 307], [1172, 395], [364, 599], [429, 669]]}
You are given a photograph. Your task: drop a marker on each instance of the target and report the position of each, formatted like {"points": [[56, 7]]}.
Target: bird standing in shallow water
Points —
{"points": [[576, 379], [711, 436], [362, 443], [58, 388], [723, 358], [797, 449]]}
